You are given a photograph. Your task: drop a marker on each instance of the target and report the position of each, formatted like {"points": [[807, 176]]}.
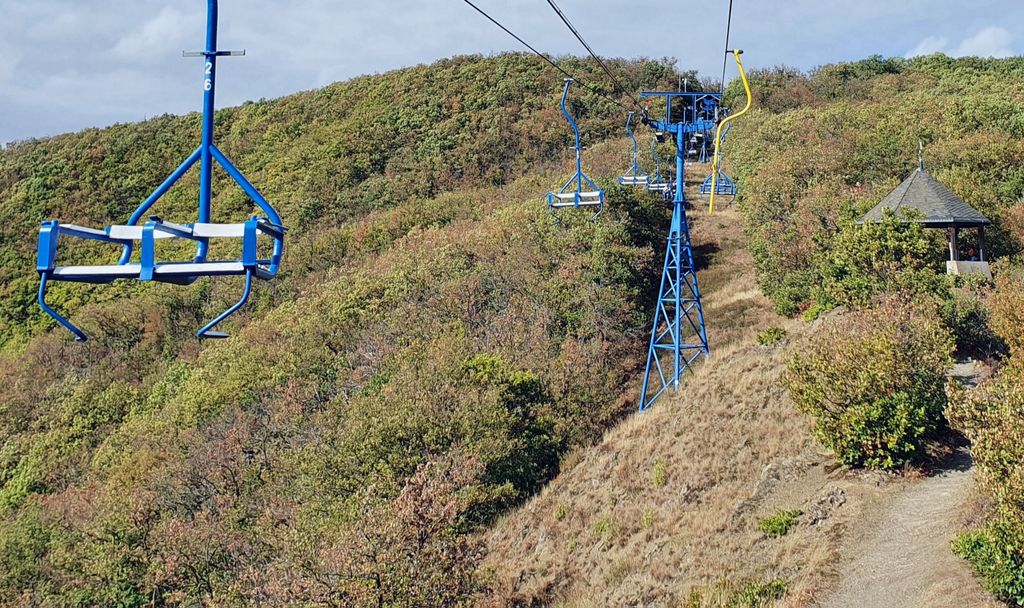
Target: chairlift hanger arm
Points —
{"points": [[726, 124], [572, 193]]}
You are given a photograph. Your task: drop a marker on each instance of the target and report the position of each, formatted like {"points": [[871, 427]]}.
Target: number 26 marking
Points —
{"points": [[208, 84]]}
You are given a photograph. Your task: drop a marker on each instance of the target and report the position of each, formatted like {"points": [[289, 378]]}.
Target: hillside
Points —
{"points": [[433, 406], [434, 347], [665, 510]]}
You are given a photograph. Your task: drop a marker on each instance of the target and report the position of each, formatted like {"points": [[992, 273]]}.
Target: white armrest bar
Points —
{"points": [[178, 230], [134, 233], [203, 231], [583, 196], [82, 230], [223, 231]]}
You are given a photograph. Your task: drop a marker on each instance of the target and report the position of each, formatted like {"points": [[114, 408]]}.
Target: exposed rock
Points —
{"points": [[832, 499]]}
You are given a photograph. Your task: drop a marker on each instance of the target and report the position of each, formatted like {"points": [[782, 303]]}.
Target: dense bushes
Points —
{"points": [[993, 419], [874, 381], [886, 257], [826, 147]]}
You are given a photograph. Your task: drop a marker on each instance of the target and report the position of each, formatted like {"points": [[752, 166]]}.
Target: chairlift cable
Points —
{"points": [[565, 73], [590, 50], [728, 33]]}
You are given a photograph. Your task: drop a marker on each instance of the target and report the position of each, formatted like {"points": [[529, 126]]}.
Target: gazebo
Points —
{"points": [[938, 208]]}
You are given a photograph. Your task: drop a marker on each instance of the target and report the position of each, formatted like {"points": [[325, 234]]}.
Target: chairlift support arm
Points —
{"points": [[726, 124]]}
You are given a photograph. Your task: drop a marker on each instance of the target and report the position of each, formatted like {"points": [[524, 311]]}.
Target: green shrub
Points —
{"points": [[659, 474], [992, 417], [965, 314], [995, 554], [874, 381], [728, 594], [771, 336], [647, 519], [758, 594], [892, 255], [779, 523]]}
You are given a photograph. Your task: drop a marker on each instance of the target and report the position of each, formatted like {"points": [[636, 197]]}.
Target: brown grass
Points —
{"points": [[730, 448]]}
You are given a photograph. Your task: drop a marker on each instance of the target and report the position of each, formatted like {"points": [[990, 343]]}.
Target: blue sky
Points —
{"points": [[70, 64]]}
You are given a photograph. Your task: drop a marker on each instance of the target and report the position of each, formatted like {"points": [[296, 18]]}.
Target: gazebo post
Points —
{"points": [[981, 243], [954, 244]]}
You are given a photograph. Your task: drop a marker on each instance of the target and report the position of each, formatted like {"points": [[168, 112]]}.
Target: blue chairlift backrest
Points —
{"points": [[635, 175]]}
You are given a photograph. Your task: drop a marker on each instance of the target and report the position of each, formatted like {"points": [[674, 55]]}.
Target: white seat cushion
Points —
{"points": [[132, 271]]}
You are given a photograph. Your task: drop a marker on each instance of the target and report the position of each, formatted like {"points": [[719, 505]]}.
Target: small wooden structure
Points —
{"points": [[939, 209]]}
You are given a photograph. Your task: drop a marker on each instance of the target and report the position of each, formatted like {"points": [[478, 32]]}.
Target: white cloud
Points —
{"points": [[9, 60], [69, 64], [990, 42], [154, 37], [929, 46]]}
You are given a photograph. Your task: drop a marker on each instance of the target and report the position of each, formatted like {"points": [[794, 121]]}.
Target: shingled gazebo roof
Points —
{"points": [[940, 207]]}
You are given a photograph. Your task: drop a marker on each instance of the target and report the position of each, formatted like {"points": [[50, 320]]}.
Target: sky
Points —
{"points": [[66, 65]]}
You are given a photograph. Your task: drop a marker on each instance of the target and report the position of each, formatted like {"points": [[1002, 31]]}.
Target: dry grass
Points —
{"points": [[669, 500]]}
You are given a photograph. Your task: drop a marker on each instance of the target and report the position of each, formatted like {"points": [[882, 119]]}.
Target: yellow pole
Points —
{"points": [[716, 165]]}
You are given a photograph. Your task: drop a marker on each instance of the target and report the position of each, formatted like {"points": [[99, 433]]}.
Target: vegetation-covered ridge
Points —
{"points": [[823, 148], [820, 150], [434, 346]]}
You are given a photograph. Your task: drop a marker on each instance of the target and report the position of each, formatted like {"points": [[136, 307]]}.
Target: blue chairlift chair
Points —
{"points": [[635, 176], [725, 186], [145, 234], [657, 183], [573, 194]]}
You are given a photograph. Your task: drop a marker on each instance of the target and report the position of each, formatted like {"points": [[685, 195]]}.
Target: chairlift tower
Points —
{"points": [[679, 336]]}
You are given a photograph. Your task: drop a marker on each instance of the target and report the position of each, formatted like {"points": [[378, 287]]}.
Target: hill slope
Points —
{"points": [[435, 345], [664, 511], [438, 350]]}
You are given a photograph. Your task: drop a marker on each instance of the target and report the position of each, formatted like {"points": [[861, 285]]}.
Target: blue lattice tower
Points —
{"points": [[679, 335]]}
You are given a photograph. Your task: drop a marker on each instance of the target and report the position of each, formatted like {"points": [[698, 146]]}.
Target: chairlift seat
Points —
{"points": [[634, 180], [170, 272], [563, 200], [725, 186], [145, 235], [572, 194], [147, 268]]}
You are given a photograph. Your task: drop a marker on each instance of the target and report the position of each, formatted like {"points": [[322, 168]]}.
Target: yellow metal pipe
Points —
{"points": [[716, 166]]}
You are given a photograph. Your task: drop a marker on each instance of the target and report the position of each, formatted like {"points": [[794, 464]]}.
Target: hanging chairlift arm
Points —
{"points": [[568, 196], [635, 175], [727, 124]]}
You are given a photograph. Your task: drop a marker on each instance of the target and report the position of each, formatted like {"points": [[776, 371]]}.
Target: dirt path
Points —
{"points": [[900, 557]]}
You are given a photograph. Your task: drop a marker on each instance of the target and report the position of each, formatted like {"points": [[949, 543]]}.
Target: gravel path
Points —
{"points": [[901, 557]]}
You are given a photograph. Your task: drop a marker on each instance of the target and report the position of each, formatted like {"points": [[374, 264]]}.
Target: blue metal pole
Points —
{"points": [[79, 334], [636, 147], [678, 213], [576, 132], [209, 107]]}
